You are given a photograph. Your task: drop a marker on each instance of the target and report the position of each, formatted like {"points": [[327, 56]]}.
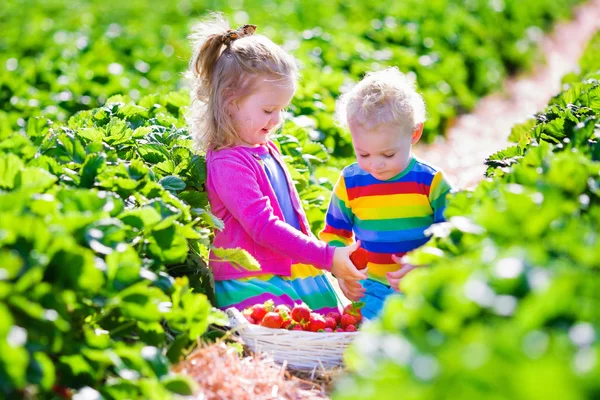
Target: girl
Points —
{"points": [[241, 83]]}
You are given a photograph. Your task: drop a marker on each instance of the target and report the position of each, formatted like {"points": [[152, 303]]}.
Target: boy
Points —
{"points": [[388, 198]]}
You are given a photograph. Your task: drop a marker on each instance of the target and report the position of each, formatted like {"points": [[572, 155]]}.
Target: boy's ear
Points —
{"points": [[417, 133]]}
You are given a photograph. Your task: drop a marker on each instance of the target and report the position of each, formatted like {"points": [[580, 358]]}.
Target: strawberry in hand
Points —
{"points": [[360, 258]]}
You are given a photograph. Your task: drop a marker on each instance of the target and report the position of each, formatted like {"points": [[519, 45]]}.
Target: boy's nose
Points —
{"points": [[275, 118]]}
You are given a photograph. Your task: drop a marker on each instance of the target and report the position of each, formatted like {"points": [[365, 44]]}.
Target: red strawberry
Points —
{"points": [[301, 313], [354, 310], [296, 327], [338, 329], [259, 310], [284, 311], [62, 391], [327, 330], [347, 320], [336, 316], [360, 258], [330, 323], [250, 319], [316, 322], [272, 320], [290, 325], [282, 308], [351, 328], [287, 323]]}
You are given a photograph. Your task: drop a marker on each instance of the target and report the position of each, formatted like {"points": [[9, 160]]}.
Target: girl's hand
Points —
{"points": [[395, 277], [342, 267], [353, 290]]}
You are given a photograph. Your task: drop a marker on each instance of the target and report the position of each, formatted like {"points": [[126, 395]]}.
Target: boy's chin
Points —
{"points": [[383, 176]]}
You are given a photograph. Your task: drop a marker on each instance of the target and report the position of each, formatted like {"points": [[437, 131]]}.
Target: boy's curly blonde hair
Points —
{"points": [[382, 97], [223, 70]]}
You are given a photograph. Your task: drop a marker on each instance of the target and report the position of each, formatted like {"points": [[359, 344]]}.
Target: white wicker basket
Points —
{"points": [[301, 350]]}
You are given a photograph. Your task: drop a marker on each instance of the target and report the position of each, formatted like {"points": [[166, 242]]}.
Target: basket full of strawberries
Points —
{"points": [[304, 339]]}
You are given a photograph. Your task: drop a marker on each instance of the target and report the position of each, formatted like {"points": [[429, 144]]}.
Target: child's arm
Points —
{"points": [[438, 191], [339, 219], [233, 182], [338, 232]]}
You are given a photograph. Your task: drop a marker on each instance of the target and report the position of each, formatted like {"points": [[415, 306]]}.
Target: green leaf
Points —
{"points": [[151, 333], [91, 134], [156, 360], [181, 385], [93, 165], [209, 218], [194, 198], [77, 368], [96, 338], [140, 302], [14, 360], [123, 267], [172, 183], [11, 264], [153, 153], [34, 179], [141, 218], [41, 371], [238, 257], [168, 245], [137, 169], [176, 347], [10, 165], [218, 317]]}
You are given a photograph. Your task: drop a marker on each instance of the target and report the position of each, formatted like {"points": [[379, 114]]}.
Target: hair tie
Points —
{"points": [[242, 31]]}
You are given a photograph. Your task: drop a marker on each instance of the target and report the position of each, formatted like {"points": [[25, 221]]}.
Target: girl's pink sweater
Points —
{"points": [[241, 195]]}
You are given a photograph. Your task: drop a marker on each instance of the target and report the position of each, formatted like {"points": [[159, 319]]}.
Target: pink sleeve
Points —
{"points": [[252, 208]]}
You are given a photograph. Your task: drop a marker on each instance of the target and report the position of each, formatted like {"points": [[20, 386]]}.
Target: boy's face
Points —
{"points": [[383, 151]]}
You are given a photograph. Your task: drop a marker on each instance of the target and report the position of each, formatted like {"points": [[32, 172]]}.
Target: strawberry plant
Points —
{"points": [[103, 234], [509, 299]]}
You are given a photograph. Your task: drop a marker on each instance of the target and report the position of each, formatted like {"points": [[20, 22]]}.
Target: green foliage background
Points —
{"points": [[104, 225]]}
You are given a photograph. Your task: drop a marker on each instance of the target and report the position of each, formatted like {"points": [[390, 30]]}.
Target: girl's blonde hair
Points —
{"points": [[219, 73], [383, 97]]}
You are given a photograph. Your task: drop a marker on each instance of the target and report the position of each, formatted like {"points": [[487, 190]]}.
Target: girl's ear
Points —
{"points": [[232, 106], [417, 133], [231, 103]]}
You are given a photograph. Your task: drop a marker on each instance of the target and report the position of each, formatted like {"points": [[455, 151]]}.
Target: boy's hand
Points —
{"points": [[353, 290], [342, 267], [395, 277]]}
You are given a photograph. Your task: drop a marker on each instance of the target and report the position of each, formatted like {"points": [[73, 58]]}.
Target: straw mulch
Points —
{"points": [[222, 374]]}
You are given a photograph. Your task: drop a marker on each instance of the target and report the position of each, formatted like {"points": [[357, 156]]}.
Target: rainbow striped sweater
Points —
{"points": [[388, 217]]}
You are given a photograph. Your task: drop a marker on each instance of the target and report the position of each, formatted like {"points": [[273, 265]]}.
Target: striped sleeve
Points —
{"points": [[339, 218], [438, 193]]}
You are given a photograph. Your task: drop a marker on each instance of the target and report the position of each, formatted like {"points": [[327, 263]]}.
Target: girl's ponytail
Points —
{"points": [[207, 43]]}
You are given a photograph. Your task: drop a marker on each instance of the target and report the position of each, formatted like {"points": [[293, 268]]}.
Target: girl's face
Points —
{"points": [[258, 114], [383, 151]]}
